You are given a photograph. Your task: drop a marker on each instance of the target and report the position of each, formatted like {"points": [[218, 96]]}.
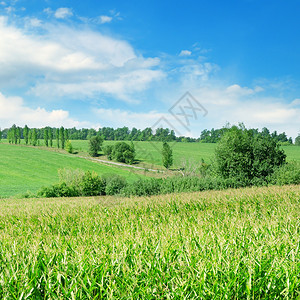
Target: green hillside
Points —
{"points": [[27, 169]]}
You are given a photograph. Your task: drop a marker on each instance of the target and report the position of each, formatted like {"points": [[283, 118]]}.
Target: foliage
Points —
{"points": [[122, 152], [69, 147], [113, 184], [95, 144], [297, 140], [243, 156], [286, 174], [91, 185], [57, 137], [107, 151], [46, 136], [62, 137], [167, 156]]}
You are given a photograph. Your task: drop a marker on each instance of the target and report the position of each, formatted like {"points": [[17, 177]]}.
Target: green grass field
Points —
{"points": [[25, 169], [234, 244], [149, 152]]}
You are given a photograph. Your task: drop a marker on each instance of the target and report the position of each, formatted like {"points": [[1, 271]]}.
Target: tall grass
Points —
{"points": [[234, 244]]}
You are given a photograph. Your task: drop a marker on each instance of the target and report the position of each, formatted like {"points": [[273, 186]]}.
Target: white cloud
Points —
{"points": [[66, 61], [295, 102], [105, 19], [63, 13], [185, 53], [14, 111]]}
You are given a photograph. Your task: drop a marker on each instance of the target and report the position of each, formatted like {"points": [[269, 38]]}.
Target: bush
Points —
{"points": [[58, 190], [123, 152], [286, 174], [107, 150], [113, 184], [91, 185], [95, 144], [69, 147], [245, 157]]}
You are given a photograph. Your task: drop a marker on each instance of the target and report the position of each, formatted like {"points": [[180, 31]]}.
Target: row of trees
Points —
{"points": [[14, 134], [33, 136], [214, 135]]}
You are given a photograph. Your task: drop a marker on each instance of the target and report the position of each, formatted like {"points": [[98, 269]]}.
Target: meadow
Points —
{"points": [[149, 152], [233, 244], [25, 169]]}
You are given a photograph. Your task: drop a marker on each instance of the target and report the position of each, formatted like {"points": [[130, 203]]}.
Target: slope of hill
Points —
{"points": [[28, 169]]}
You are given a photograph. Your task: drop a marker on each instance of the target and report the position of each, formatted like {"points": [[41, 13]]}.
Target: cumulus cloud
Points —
{"points": [[63, 13], [64, 61], [13, 110], [105, 19], [185, 53]]}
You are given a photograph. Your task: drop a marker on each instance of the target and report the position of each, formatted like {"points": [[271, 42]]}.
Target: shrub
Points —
{"points": [[286, 174], [58, 190], [113, 183], [107, 150], [69, 147], [91, 185], [123, 152]]}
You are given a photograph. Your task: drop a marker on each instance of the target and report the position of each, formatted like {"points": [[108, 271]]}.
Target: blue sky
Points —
{"points": [[115, 63]]}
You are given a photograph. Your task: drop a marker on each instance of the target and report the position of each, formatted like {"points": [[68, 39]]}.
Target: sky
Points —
{"points": [[186, 65]]}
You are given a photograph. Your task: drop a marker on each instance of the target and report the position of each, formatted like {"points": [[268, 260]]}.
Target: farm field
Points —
{"points": [[25, 169], [233, 244]]}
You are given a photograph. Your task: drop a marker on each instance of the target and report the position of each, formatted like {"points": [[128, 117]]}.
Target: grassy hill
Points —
{"points": [[149, 152], [28, 169], [233, 244]]}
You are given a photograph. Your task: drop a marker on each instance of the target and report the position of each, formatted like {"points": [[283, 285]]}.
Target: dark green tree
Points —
{"points": [[95, 143], [62, 137], [50, 135], [167, 155], [26, 134], [18, 134], [123, 152], [245, 157], [34, 139], [46, 136], [57, 137]]}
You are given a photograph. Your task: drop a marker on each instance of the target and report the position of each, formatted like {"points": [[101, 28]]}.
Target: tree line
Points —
{"points": [[61, 135]]}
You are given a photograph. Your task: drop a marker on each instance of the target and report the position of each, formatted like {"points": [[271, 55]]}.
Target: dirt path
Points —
{"points": [[119, 164]]}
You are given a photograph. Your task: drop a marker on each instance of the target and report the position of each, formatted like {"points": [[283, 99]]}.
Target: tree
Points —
{"points": [[0, 134], [297, 140], [46, 136], [123, 152], [244, 156], [57, 137], [95, 143], [33, 137], [167, 155], [50, 136], [26, 134], [62, 137], [18, 131], [69, 147], [107, 150]]}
